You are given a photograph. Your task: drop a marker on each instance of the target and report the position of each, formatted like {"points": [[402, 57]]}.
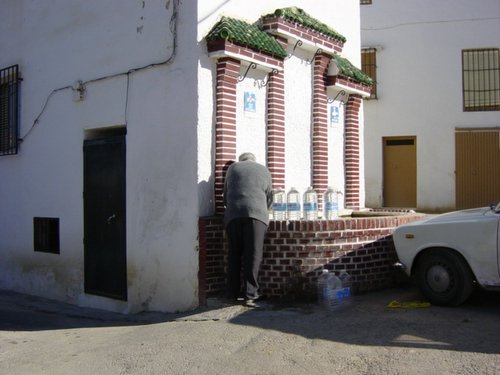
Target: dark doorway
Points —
{"points": [[105, 257]]}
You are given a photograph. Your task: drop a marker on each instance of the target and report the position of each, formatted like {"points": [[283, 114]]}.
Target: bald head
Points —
{"points": [[247, 156]]}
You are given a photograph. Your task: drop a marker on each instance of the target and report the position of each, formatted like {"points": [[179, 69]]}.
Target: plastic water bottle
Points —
{"points": [[328, 287], [323, 292], [293, 204], [279, 204], [310, 204], [331, 204], [344, 296]]}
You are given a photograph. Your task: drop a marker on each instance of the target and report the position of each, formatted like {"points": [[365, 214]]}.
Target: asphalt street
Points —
{"points": [[39, 336]]}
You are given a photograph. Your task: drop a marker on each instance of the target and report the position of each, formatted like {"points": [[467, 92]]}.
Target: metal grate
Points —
{"points": [[46, 234], [481, 79], [9, 110], [369, 67], [400, 142]]}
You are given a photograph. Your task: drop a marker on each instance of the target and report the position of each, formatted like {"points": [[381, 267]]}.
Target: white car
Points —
{"points": [[448, 254]]}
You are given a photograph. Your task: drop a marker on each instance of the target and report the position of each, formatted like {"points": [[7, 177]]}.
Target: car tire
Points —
{"points": [[444, 278]]}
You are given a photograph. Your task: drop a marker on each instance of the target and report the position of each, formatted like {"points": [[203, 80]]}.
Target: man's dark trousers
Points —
{"points": [[246, 241]]}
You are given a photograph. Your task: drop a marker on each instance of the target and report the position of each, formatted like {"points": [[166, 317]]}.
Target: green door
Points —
{"points": [[105, 264]]}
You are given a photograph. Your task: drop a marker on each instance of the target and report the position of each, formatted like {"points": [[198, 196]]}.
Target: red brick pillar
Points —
{"points": [[320, 126], [276, 128], [228, 71], [352, 154]]}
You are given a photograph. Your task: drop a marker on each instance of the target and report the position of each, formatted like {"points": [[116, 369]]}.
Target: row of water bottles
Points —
{"points": [[334, 292], [288, 206]]}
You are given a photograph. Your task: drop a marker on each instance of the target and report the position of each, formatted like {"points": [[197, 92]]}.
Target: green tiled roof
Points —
{"points": [[346, 69], [245, 34], [297, 15]]}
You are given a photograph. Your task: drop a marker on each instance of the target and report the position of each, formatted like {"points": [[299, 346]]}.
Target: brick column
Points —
{"points": [[225, 124], [320, 126], [351, 153], [276, 128]]}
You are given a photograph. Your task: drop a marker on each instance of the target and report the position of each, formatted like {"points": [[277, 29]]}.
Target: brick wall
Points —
{"points": [[295, 252], [300, 32], [320, 126], [276, 128], [352, 154], [225, 124]]}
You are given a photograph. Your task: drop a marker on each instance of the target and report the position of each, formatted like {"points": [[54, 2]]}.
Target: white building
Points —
{"points": [[432, 132], [115, 118]]}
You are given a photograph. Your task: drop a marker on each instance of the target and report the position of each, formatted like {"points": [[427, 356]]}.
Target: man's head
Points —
{"points": [[247, 156]]}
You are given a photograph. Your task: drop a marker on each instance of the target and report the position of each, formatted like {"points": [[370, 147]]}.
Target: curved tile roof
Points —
{"points": [[246, 34], [346, 69], [250, 35], [298, 15]]}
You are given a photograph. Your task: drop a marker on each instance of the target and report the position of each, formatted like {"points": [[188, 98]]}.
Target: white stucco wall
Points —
{"points": [[343, 16], [419, 76], [336, 131], [251, 122], [168, 111], [56, 44], [298, 121]]}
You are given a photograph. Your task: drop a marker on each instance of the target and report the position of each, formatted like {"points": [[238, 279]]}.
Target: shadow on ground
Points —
{"points": [[472, 327]]}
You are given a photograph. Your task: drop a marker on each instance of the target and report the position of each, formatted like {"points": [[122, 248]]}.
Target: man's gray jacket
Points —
{"points": [[247, 192]]}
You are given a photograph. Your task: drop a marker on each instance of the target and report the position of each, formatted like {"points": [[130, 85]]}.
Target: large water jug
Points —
{"points": [[331, 204], [328, 287], [279, 204], [293, 204], [310, 204], [344, 296]]}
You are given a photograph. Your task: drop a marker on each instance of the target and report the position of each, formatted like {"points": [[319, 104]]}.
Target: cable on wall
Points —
{"points": [[169, 60], [427, 23]]}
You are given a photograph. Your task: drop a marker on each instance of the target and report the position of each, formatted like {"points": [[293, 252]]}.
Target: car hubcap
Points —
{"points": [[438, 278]]}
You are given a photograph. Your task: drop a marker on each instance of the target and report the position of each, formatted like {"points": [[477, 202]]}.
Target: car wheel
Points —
{"points": [[444, 278]]}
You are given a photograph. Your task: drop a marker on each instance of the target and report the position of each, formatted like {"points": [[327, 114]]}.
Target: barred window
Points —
{"points": [[9, 110], [369, 67], [481, 79]]}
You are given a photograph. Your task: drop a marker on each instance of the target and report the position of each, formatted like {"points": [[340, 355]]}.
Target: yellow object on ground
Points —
{"points": [[408, 305]]}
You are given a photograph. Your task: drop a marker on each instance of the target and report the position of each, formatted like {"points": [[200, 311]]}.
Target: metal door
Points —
{"points": [[400, 172], [477, 166], [104, 217]]}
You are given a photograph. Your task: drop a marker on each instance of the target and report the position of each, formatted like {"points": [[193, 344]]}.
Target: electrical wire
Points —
{"points": [[37, 119], [167, 61], [427, 23]]}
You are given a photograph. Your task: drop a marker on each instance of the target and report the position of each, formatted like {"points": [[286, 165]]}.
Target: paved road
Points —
{"points": [[44, 337]]}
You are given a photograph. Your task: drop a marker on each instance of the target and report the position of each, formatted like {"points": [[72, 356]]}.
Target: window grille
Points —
{"points": [[481, 79], [9, 110], [46, 234], [369, 67]]}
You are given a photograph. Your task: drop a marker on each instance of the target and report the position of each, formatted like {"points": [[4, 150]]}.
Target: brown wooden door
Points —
{"points": [[400, 171], [477, 167]]}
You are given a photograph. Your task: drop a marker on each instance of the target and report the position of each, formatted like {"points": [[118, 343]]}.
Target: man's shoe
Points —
{"points": [[254, 302], [251, 303]]}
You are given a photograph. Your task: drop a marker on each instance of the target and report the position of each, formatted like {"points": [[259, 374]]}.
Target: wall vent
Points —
{"points": [[46, 234]]}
